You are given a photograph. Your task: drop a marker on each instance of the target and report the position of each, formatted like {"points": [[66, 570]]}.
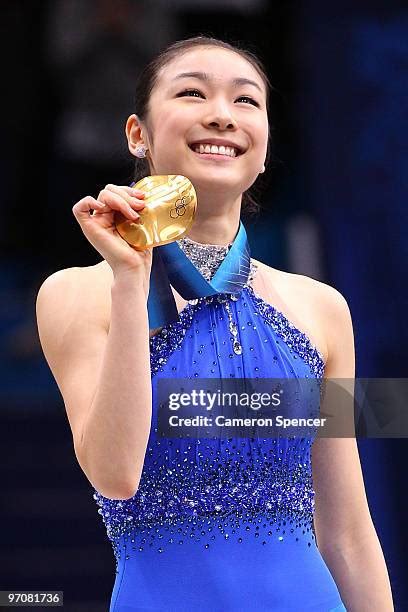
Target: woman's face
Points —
{"points": [[208, 121]]}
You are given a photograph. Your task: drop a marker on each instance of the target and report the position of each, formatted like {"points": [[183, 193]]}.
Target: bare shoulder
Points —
{"points": [[319, 292], [77, 289], [314, 306], [71, 317], [88, 291]]}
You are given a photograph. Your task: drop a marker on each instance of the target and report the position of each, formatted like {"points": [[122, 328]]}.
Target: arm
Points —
{"points": [[104, 376], [345, 532]]}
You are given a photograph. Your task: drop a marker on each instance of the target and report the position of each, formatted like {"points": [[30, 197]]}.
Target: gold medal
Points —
{"points": [[170, 206]]}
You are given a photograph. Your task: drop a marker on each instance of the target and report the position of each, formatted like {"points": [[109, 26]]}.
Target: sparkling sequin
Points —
{"points": [[221, 483], [207, 258], [191, 490], [293, 337], [171, 337]]}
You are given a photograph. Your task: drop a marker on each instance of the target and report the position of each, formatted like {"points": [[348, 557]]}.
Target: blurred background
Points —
{"points": [[334, 208]]}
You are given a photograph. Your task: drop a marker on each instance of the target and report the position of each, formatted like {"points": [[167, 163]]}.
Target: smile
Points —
{"points": [[205, 149]]}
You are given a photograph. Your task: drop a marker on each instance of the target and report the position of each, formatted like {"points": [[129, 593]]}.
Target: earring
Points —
{"points": [[140, 151]]}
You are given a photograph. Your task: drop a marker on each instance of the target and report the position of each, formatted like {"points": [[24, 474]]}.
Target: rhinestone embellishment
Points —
{"points": [[227, 484], [207, 258], [196, 490]]}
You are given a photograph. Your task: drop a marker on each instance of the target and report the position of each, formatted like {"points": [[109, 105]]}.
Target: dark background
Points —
{"points": [[334, 209]]}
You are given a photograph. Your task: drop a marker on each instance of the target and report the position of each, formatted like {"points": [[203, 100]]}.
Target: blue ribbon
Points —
{"points": [[171, 266]]}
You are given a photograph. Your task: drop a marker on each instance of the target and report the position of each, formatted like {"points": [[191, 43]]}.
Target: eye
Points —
{"points": [[193, 93], [249, 99]]}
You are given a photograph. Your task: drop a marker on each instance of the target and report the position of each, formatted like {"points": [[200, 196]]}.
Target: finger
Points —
{"points": [[85, 207], [116, 201], [130, 196], [133, 191]]}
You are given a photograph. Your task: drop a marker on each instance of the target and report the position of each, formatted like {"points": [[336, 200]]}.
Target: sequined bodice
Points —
{"points": [[250, 487], [206, 257]]}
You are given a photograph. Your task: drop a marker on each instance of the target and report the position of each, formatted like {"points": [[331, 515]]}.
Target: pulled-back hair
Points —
{"points": [[147, 80]]}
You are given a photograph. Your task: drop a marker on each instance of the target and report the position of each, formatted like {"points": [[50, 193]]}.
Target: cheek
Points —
{"points": [[168, 136], [264, 134], [258, 130]]}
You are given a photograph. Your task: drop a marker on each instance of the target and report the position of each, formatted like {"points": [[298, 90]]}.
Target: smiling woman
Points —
{"points": [[246, 86], [217, 523]]}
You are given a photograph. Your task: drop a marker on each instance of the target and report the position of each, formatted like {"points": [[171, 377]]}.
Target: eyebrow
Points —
{"points": [[203, 76]]}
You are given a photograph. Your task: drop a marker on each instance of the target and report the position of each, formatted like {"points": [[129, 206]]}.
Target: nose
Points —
{"points": [[220, 118], [222, 123]]}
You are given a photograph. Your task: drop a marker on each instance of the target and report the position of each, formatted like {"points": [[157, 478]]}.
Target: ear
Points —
{"points": [[134, 133], [262, 169]]}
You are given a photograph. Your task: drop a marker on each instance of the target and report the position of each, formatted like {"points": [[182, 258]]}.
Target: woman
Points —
{"points": [[224, 523]]}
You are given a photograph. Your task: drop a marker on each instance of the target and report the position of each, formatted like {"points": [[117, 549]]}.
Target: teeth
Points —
{"points": [[214, 149]]}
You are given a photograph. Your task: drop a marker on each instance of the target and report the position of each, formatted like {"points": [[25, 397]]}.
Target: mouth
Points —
{"points": [[209, 149]]}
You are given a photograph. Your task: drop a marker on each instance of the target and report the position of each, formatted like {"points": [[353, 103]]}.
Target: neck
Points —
{"points": [[214, 224]]}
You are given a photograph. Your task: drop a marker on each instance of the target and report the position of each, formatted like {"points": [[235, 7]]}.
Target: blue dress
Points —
{"points": [[222, 524]]}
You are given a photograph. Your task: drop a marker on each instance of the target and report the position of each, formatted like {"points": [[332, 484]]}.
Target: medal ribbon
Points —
{"points": [[171, 266]]}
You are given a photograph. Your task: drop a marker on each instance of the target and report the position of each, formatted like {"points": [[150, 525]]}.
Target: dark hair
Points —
{"points": [[147, 79]]}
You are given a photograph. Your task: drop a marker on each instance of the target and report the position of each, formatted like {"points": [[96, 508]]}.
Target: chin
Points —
{"points": [[217, 181], [216, 187]]}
